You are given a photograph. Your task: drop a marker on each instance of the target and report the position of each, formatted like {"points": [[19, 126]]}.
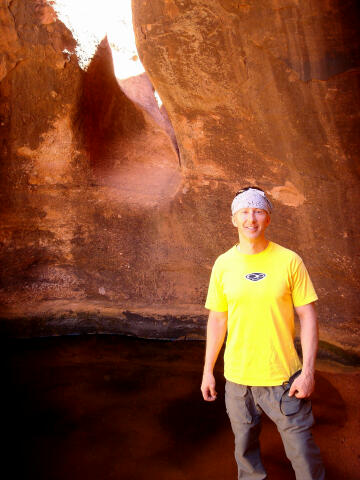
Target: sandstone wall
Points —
{"points": [[268, 93], [111, 220]]}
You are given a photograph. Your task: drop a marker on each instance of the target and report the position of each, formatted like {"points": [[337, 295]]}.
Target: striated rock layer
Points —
{"points": [[113, 211]]}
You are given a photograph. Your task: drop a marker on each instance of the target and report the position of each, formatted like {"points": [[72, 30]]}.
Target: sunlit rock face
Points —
{"points": [[40, 157], [267, 93], [114, 210], [89, 177]]}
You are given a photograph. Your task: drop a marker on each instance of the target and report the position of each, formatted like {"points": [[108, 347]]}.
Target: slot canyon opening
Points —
{"points": [[129, 136]]}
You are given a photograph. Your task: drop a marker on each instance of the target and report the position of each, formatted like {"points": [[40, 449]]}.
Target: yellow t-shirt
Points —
{"points": [[259, 292]]}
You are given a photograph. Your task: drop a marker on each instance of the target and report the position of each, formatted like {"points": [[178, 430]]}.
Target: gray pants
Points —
{"points": [[293, 418]]}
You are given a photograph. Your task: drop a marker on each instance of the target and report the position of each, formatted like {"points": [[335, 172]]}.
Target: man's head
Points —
{"points": [[251, 197], [251, 211]]}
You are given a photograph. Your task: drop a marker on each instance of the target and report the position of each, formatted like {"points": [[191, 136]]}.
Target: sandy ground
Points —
{"points": [[111, 407]]}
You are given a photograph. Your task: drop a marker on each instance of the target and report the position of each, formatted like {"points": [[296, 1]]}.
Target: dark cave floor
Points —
{"points": [[112, 407]]}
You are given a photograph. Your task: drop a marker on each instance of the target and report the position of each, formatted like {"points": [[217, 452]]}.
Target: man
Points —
{"points": [[254, 288]]}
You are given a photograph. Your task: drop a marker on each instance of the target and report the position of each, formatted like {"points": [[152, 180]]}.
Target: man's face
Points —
{"points": [[251, 222]]}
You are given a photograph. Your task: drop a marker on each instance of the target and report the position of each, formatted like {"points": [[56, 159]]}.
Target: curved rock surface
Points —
{"points": [[110, 207], [267, 93]]}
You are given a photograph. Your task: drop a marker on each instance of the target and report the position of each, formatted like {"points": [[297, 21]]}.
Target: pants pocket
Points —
{"points": [[292, 405], [289, 405], [238, 403]]}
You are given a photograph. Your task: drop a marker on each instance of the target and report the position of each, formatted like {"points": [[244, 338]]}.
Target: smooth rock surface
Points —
{"points": [[110, 205], [267, 93]]}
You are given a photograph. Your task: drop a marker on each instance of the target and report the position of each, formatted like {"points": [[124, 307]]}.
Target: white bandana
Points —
{"points": [[251, 198]]}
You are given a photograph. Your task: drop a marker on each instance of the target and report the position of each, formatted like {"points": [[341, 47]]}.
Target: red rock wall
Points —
{"points": [[268, 93], [101, 214]]}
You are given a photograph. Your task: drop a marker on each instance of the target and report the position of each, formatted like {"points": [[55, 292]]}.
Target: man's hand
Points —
{"points": [[208, 387], [303, 385]]}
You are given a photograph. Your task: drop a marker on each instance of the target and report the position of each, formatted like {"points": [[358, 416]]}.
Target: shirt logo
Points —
{"points": [[255, 276]]}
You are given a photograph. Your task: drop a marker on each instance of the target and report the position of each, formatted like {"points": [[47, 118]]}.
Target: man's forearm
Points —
{"points": [[309, 337], [303, 385], [215, 335]]}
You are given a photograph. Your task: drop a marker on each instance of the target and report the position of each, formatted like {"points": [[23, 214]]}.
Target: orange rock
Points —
{"points": [[112, 203]]}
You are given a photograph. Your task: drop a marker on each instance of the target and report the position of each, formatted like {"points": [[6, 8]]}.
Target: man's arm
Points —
{"points": [[215, 335], [303, 385]]}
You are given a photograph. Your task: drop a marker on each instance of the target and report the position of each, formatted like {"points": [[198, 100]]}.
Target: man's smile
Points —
{"points": [[252, 228]]}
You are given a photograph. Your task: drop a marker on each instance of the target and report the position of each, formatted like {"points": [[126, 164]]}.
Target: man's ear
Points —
{"points": [[233, 220]]}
